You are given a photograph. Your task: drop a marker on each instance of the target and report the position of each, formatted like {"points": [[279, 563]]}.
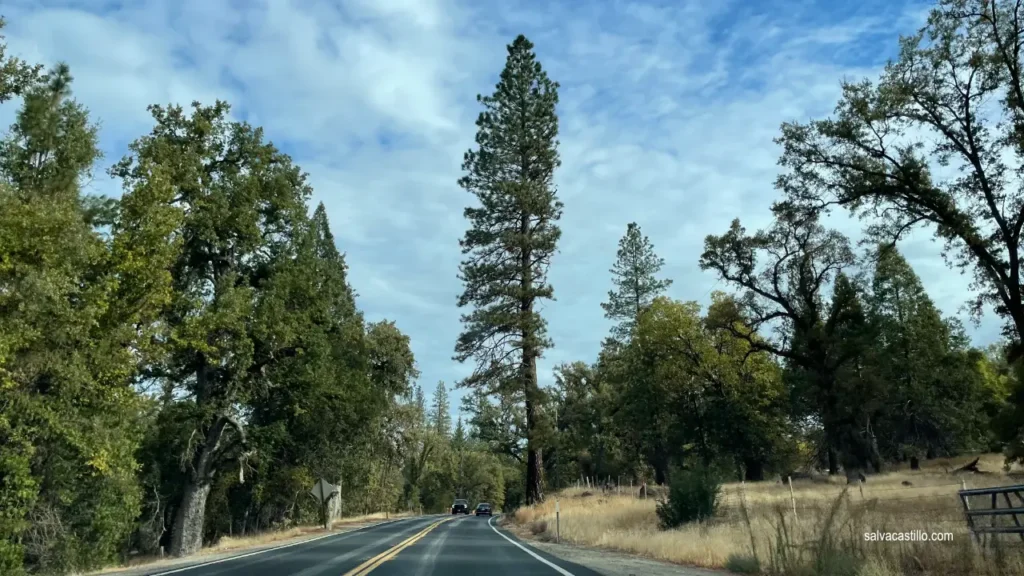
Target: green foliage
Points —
{"points": [[588, 441], [511, 239], [239, 209], [819, 342], [874, 156], [732, 395], [440, 417], [68, 427], [693, 496], [934, 390], [184, 362], [636, 286], [16, 75]]}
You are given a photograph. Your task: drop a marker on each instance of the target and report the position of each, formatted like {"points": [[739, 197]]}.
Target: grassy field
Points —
{"points": [[757, 528]]}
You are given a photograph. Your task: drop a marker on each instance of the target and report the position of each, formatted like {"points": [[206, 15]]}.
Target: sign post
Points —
{"points": [[322, 491]]}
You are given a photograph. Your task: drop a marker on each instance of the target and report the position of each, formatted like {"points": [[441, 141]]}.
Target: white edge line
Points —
{"points": [[557, 568], [240, 556]]}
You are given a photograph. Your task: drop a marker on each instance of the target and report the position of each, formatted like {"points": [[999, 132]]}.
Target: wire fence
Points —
{"points": [[936, 500]]}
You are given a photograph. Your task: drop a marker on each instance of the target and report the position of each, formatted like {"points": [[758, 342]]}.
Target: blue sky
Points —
{"points": [[668, 111]]}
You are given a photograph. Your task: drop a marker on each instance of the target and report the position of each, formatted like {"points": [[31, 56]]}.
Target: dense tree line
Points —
{"points": [[184, 362], [820, 353]]}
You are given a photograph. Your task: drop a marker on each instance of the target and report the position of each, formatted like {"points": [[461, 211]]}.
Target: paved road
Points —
{"points": [[424, 546]]}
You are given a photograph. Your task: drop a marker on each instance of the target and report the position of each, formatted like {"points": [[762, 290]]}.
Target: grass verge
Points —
{"points": [[757, 530]]}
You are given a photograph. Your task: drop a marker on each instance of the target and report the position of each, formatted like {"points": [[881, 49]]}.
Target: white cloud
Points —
{"points": [[668, 111]]}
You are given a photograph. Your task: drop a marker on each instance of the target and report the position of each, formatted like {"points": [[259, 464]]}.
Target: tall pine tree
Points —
{"points": [[511, 239], [636, 285], [440, 418]]}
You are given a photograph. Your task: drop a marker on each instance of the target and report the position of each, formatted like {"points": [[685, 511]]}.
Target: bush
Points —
{"points": [[693, 495]]}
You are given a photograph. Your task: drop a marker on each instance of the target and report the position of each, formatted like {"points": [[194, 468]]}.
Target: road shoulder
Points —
{"points": [[169, 564], [610, 563]]}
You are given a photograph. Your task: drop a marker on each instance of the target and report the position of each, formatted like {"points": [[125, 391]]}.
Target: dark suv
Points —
{"points": [[483, 509], [460, 507]]}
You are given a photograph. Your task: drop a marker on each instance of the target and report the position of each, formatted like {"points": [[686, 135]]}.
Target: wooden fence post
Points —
{"points": [[792, 496]]}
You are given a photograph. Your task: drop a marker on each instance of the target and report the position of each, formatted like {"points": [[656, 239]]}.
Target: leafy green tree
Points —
{"points": [[875, 155], [392, 364], [511, 239], [68, 345], [749, 398], [636, 285], [784, 297], [589, 443], [719, 402], [499, 425], [318, 405], [241, 205]]}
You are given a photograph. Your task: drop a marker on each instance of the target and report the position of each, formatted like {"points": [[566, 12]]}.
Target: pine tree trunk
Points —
{"points": [[534, 457]]}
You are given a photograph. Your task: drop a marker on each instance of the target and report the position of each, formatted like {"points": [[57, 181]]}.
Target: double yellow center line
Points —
{"points": [[369, 565]]}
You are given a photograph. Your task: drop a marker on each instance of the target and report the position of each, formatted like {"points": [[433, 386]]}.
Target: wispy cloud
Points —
{"points": [[668, 111]]}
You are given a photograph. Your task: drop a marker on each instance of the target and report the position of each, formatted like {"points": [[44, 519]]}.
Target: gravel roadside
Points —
{"points": [[611, 563]]}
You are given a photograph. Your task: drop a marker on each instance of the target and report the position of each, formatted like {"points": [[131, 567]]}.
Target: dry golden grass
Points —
{"points": [[827, 529]]}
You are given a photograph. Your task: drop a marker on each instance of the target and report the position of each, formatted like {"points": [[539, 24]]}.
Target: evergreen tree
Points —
{"points": [[511, 239], [459, 435], [934, 390], [440, 418], [68, 348], [421, 404], [320, 405], [636, 286]]}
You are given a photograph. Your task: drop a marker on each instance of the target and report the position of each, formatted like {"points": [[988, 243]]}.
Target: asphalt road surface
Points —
{"points": [[423, 546]]}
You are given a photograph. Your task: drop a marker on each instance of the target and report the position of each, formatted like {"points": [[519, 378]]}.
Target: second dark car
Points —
{"points": [[483, 509]]}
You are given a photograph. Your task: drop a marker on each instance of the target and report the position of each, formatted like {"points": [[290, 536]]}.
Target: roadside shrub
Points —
{"points": [[693, 495]]}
